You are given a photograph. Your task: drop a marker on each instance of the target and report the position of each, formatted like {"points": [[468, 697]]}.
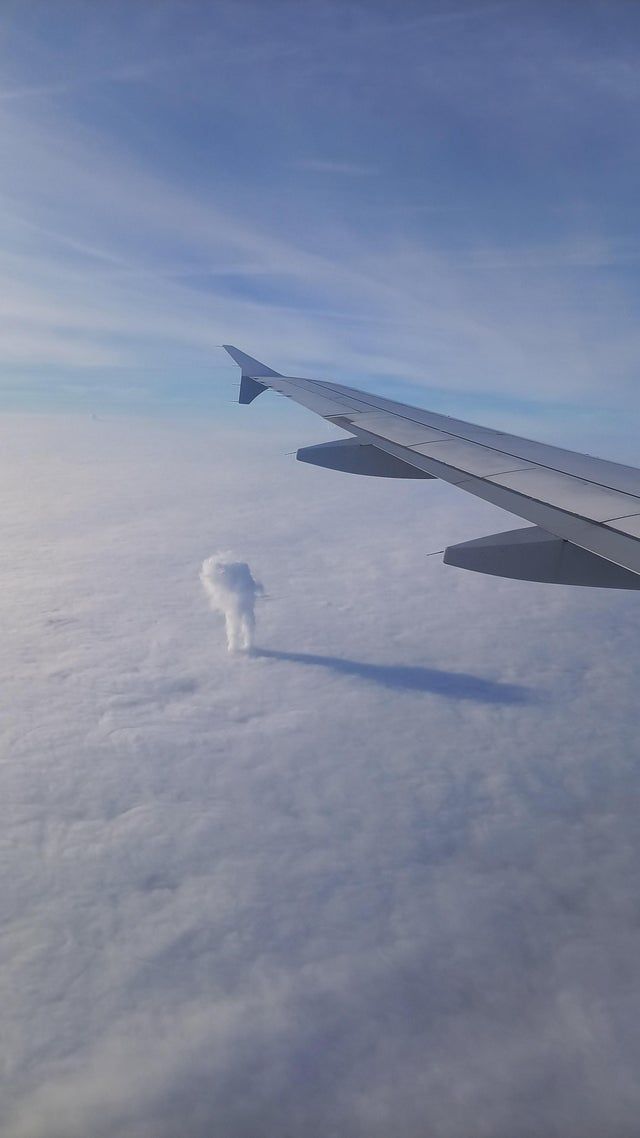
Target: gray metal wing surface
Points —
{"points": [[585, 511]]}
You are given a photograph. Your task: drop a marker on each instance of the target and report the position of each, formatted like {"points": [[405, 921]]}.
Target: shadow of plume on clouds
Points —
{"points": [[412, 677]]}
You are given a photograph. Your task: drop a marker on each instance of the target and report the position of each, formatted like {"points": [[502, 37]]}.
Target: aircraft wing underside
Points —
{"points": [[585, 511]]}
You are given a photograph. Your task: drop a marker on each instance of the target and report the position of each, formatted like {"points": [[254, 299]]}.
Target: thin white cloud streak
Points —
{"points": [[137, 71], [332, 166], [429, 332], [10, 95], [485, 319]]}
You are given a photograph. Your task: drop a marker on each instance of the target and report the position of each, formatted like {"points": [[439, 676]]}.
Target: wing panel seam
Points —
{"points": [[340, 397]]}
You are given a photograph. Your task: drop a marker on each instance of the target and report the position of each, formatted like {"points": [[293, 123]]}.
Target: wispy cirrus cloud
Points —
{"points": [[145, 245], [333, 166]]}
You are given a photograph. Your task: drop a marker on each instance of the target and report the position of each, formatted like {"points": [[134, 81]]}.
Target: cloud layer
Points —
{"points": [[378, 879]]}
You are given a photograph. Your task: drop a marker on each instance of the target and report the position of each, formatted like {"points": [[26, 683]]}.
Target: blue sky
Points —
{"points": [[441, 195]]}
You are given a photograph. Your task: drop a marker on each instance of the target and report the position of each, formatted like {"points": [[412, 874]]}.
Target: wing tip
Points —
{"points": [[250, 367]]}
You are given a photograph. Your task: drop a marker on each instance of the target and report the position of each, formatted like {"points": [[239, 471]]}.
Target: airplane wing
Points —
{"points": [[585, 511]]}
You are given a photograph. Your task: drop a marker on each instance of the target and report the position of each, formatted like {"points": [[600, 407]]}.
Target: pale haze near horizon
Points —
{"points": [[382, 876]]}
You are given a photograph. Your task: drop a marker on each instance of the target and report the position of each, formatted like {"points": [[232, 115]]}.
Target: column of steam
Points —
{"points": [[232, 591]]}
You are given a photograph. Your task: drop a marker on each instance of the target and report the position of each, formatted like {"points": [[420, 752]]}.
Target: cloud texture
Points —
{"points": [[380, 880], [389, 193], [232, 592]]}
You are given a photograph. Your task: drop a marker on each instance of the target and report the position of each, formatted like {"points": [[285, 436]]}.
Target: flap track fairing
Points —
{"points": [[356, 457], [532, 554]]}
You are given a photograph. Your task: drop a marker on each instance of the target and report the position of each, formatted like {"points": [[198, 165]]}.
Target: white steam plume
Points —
{"points": [[232, 591]]}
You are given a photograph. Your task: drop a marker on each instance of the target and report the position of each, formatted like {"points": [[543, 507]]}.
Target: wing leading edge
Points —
{"points": [[585, 511]]}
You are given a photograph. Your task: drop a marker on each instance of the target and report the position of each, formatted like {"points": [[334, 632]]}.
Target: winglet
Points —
{"points": [[249, 366], [250, 388]]}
